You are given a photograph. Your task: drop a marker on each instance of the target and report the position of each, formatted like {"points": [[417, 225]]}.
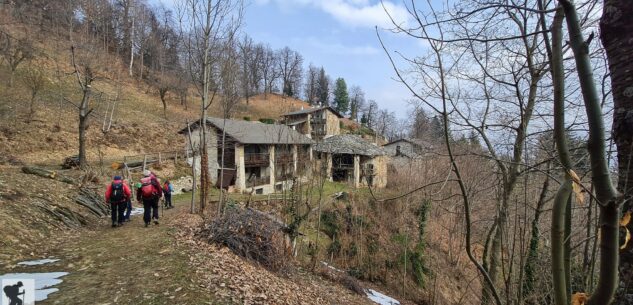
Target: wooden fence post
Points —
{"points": [[144, 162], [160, 160]]}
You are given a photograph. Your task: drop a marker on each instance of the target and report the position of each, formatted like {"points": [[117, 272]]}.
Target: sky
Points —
{"points": [[339, 35]]}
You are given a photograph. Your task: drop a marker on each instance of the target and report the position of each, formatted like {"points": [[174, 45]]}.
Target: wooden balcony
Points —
{"points": [[318, 121], [256, 181], [284, 158], [256, 159]]}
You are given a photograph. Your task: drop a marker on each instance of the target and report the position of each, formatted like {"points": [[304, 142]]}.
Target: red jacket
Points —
{"points": [[155, 184], [126, 191]]}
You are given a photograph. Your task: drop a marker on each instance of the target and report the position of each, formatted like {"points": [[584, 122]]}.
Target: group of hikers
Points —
{"points": [[149, 191]]}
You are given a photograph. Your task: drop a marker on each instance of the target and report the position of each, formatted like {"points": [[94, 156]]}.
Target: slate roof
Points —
{"points": [[422, 146], [247, 132], [312, 110], [418, 142], [349, 144]]}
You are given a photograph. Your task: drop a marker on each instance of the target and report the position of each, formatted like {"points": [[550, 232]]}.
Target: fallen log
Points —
{"points": [[46, 174]]}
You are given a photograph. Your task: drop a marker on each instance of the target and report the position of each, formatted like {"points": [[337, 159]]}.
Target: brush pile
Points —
{"points": [[251, 234]]}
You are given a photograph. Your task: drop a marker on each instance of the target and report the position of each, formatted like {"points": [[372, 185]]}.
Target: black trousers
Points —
{"points": [[150, 209], [15, 301], [117, 210], [167, 200]]}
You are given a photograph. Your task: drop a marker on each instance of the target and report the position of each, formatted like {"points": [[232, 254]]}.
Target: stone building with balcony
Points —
{"points": [[257, 157], [352, 159], [316, 123]]}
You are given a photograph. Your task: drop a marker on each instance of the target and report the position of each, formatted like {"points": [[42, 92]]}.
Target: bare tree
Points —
{"points": [[268, 66], [290, 67], [85, 75], [15, 51], [164, 83], [230, 91], [205, 24], [357, 101], [311, 81], [34, 79]]}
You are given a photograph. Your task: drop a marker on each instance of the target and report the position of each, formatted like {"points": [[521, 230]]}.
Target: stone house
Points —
{"points": [[316, 123], [258, 157], [352, 159], [407, 148]]}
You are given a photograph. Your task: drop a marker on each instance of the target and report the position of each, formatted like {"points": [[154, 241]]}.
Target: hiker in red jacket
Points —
{"points": [[117, 194], [149, 193]]}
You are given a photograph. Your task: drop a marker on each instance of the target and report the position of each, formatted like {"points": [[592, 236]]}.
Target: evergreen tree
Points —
{"points": [[437, 129], [341, 97], [323, 88]]}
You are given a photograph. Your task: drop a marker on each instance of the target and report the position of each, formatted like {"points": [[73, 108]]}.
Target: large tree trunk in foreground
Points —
{"points": [[616, 33]]}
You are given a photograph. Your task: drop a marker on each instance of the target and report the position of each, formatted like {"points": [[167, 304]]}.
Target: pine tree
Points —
{"points": [[341, 97], [323, 88]]}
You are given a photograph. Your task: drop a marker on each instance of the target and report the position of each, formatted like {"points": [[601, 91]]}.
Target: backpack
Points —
{"points": [[117, 194], [166, 188], [147, 188]]}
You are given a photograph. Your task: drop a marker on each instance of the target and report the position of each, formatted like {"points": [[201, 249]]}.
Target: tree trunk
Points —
{"points": [[162, 99], [606, 194], [616, 33], [32, 106], [84, 115], [83, 121]]}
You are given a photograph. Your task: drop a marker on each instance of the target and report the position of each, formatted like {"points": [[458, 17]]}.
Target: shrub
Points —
{"points": [[329, 224], [267, 120]]}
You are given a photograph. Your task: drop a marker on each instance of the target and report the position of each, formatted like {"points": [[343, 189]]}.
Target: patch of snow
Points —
{"points": [[136, 211], [44, 282], [39, 262], [380, 298], [331, 267]]}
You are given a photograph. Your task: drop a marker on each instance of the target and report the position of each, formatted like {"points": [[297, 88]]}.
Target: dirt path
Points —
{"points": [[164, 264], [127, 265]]}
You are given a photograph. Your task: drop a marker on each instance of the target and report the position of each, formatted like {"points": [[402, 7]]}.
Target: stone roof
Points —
{"points": [[248, 132], [312, 110], [418, 142], [422, 145], [348, 144]]}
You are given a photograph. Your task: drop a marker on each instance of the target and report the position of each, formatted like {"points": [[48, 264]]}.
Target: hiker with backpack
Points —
{"points": [[149, 194], [167, 190], [117, 194], [13, 293]]}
